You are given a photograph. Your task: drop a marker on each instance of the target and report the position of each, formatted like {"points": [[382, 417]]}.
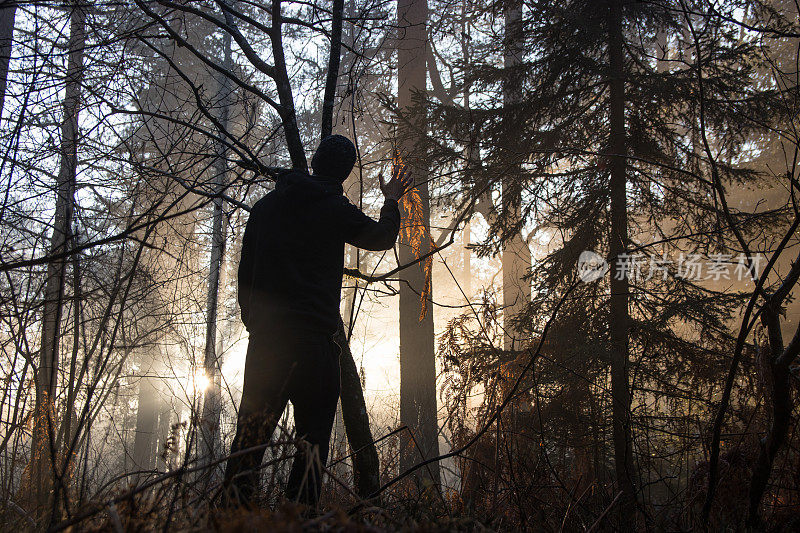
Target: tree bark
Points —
{"points": [[777, 363], [516, 259], [333, 68], [43, 443], [7, 16], [356, 421], [284, 89], [417, 357], [210, 440], [466, 254], [618, 316], [780, 403], [164, 456], [144, 442]]}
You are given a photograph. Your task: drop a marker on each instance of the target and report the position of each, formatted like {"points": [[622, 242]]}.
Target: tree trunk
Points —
{"points": [[777, 365], [7, 15], [43, 443], [210, 440], [471, 150], [780, 404], [163, 455], [333, 68], [618, 316], [466, 254], [516, 253], [284, 90], [417, 358], [778, 362], [356, 421], [145, 437]]}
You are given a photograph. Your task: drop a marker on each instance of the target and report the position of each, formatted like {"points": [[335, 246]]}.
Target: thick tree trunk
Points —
{"points": [[466, 254], [516, 253], [164, 457], [210, 440], [356, 422], [145, 437], [780, 402], [777, 364], [471, 151], [7, 15], [618, 316], [417, 358], [43, 443], [284, 90]]}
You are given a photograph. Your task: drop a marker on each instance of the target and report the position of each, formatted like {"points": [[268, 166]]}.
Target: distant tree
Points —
{"points": [[43, 448], [210, 439], [516, 253]]}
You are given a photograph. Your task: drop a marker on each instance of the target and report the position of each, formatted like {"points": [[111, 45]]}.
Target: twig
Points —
{"points": [[19, 510], [603, 514]]}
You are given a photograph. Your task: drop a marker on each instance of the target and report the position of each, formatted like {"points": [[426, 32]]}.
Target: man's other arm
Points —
{"points": [[363, 232]]}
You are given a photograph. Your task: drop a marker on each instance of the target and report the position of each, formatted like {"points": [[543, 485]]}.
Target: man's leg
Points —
{"points": [[314, 394], [266, 390]]}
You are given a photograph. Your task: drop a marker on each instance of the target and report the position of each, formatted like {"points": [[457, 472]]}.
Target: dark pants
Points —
{"points": [[297, 366]]}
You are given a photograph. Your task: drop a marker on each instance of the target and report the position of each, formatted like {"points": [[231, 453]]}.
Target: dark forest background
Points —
{"points": [[487, 381]]}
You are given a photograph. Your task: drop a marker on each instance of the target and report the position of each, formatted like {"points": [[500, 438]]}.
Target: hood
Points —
{"points": [[334, 157], [297, 185]]}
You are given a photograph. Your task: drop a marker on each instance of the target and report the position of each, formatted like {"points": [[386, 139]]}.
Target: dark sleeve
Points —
{"points": [[363, 232], [246, 266]]}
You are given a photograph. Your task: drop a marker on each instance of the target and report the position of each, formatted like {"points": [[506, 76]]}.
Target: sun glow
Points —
{"points": [[199, 381]]}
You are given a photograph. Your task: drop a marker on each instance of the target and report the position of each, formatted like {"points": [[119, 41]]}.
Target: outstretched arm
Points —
{"points": [[362, 231]]}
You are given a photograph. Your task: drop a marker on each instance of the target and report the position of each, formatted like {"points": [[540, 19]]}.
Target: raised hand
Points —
{"points": [[400, 183]]}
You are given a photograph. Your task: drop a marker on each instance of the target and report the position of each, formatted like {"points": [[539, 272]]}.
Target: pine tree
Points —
{"points": [[609, 128]]}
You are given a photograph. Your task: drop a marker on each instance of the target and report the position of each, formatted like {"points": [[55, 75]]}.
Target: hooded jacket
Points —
{"points": [[290, 273]]}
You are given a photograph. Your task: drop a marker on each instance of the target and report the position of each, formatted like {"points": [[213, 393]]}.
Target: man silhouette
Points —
{"points": [[290, 281]]}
